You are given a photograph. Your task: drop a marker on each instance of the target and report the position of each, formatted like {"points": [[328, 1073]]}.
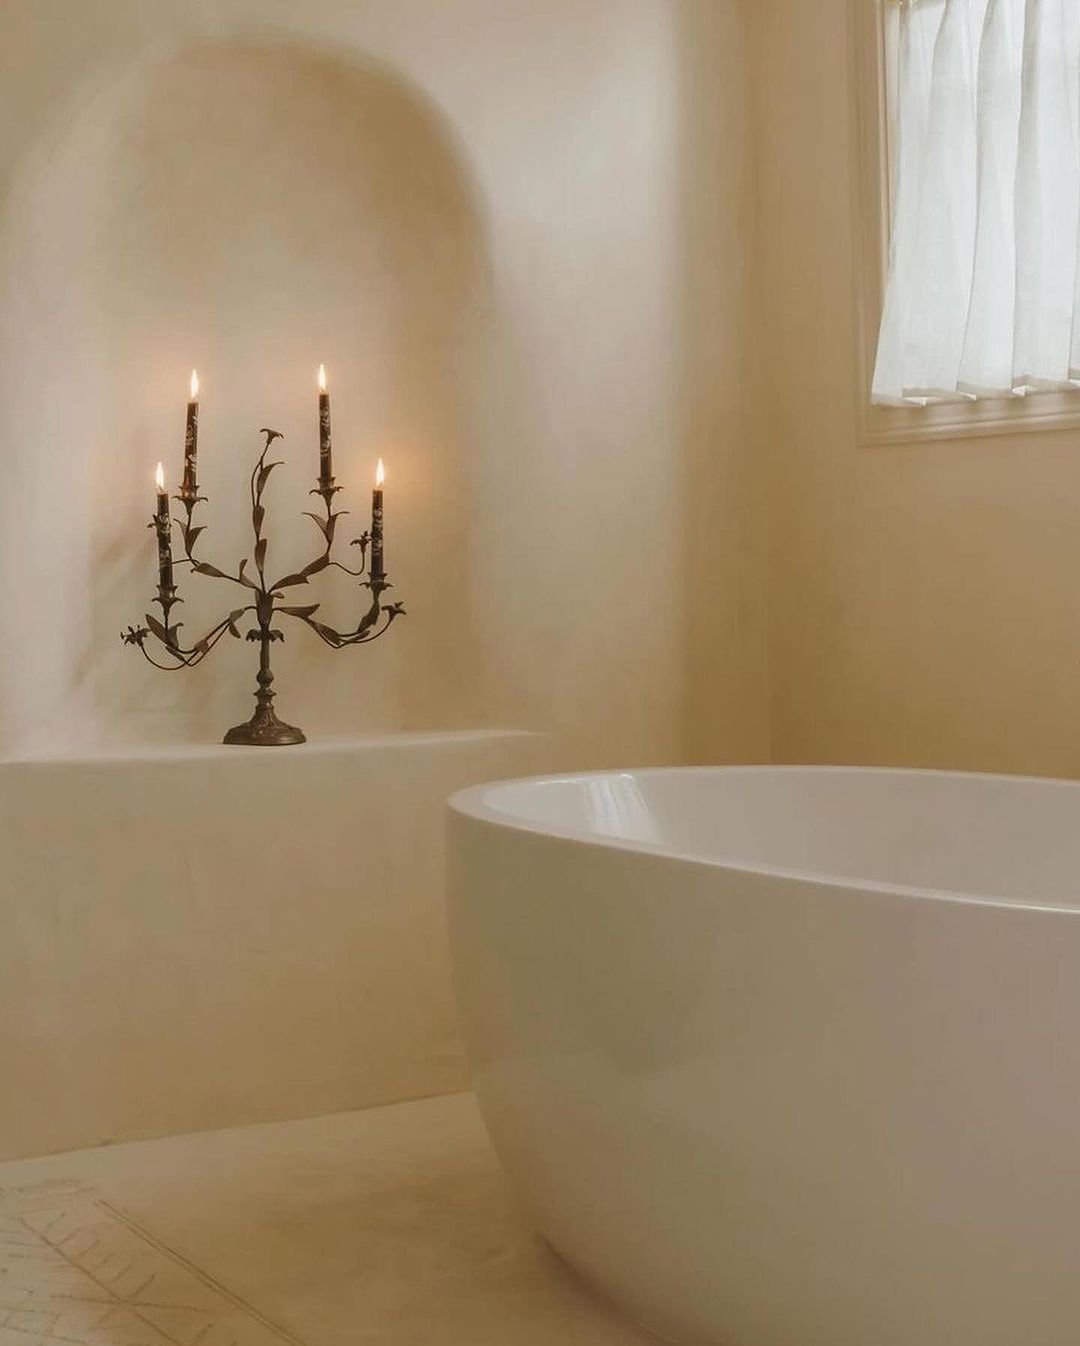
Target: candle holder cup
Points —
{"points": [[265, 600]]}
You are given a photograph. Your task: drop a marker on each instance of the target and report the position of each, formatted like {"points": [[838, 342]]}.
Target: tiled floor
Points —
{"points": [[391, 1226]]}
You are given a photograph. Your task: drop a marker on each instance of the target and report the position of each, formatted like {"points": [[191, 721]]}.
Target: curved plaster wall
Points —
{"points": [[517, 233], [250, 210]]}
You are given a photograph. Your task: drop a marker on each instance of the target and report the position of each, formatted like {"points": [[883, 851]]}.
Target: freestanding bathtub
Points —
{"points": [[786, 1057]]}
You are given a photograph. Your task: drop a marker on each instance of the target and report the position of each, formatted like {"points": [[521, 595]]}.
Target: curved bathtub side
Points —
{"points": [[762, 1112]]}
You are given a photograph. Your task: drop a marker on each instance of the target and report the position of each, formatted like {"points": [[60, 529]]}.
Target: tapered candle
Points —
{"points": [[164, 531], [378, 566], [326, 456], [190, 488]]}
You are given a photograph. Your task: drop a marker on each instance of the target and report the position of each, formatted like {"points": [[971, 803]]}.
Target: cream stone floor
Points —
{"points": [[393, 1225]]}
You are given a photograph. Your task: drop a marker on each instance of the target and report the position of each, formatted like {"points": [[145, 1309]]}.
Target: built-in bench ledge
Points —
{"points": [[439, 740], [204, 936]]}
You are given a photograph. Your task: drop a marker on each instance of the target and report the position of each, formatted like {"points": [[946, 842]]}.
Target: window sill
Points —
{"points": [[967, 420]]}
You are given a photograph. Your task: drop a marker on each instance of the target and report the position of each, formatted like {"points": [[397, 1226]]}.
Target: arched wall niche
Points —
{"points": [[251, 209]]}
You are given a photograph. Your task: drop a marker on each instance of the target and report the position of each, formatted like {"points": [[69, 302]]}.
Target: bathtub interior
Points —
{"points": [[982, 837]]}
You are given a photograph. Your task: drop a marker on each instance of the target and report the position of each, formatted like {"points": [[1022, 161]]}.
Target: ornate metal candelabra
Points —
{"points": [[266, 600]]}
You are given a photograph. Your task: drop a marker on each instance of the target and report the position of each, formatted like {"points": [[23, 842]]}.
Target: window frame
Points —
{"points": [[872, 215]]}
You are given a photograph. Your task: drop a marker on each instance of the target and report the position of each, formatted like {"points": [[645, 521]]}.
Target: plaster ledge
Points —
{"points": [[336, 746]]}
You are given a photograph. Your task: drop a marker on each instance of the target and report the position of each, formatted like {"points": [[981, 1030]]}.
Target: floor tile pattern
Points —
{"points": [[76, 1269]]}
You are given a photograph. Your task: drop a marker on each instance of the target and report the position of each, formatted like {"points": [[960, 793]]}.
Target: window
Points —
{"points": [[976, 164]]}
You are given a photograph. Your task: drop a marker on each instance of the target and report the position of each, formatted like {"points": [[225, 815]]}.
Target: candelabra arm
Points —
{"points": [[183, 656], [375, 622], [259, 477], [190, 532]]}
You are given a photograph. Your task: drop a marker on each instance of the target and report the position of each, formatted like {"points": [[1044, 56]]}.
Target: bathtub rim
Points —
{"points": [[469, 805]]}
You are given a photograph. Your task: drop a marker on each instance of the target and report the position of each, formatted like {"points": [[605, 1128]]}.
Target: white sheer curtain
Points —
{"points": [[983, 293]]}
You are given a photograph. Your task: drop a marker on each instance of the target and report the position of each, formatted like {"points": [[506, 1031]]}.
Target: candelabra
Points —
{"points": [[266, 600]]}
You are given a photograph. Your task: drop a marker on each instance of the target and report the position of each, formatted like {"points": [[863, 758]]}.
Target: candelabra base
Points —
{"points": [[265, 730]]}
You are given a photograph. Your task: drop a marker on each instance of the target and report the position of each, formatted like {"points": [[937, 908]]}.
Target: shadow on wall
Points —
{"points": [[252, 211]]}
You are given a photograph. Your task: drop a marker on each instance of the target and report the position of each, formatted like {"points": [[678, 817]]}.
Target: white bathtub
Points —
{"points": [[786, 1057]]}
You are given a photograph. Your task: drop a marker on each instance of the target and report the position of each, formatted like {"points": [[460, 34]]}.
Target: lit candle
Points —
{"points": [[190, 488], [378, 567], [326, 460], [164, 531]]}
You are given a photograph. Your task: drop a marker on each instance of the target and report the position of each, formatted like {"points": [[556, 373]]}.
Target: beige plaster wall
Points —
{"points": [[496, 222], [924, 598], [726, 705]]}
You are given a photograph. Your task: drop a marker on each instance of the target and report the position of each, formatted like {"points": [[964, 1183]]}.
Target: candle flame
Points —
{"points": [[159, 478], [380, 474], [322, 378], [194, 385]]}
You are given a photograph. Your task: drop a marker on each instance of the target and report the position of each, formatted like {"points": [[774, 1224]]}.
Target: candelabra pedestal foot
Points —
{"points": [[264, 729]]}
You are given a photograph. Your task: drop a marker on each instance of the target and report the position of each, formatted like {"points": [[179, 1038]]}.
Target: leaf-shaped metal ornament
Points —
{"points": [[320, 563], [322, 523], [327, 632], [260, 553], [369, 619], [258, 514], [264, 477], [205, 568], [291, 580], [302, 612], [162, 632]]}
